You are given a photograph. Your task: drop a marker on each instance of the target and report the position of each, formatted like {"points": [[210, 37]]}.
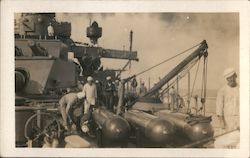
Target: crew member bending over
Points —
{"points": [[66, 102]]}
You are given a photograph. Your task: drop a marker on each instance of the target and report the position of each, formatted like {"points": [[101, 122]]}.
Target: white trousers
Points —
{"points": [[87, 103]]}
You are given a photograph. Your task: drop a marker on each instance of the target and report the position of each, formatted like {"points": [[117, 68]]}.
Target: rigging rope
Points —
{"points": [[195, 78], [204, 84], [148, 69], [185, 70]]}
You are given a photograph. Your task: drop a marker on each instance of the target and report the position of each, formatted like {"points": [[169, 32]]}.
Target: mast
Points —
{"points": [[199, 52]]}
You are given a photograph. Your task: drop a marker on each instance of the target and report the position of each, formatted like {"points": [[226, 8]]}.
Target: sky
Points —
{"points": [[158, 36]]}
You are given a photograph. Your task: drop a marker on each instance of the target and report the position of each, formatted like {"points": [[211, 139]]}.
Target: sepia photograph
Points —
{"points": [[128, 80]]}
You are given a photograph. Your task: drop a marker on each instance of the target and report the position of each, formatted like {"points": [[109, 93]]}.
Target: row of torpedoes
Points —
{"points": [[159, 128]]}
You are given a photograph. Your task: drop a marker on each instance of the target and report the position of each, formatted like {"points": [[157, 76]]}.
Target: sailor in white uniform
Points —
{"points": [[90, 91], [50, 30], [227, 110]]}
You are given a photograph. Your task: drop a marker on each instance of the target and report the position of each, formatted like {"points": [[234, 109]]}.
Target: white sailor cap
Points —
{"points": [[80, 95], [117, 81], [108, 78], [75, 60], [96, 81], [229, 72], [90, 78]]}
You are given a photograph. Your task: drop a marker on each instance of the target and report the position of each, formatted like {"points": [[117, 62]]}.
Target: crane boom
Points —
{"points": [[199, 52]]}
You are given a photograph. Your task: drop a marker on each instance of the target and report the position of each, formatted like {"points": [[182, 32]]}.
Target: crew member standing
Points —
{"points": [[172, 94], [22, 26], [227, 110], [142, 90], [99, 92], [109, 94], [80, 85], [116, 95], [50, 30], [90, 91]]}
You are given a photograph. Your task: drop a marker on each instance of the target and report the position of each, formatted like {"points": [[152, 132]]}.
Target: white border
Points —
{"points": [[7, 74]]}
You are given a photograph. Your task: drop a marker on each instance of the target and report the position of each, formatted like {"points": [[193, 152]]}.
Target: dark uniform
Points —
{"points": [[116, 92], [99, 93], [109, 95]]}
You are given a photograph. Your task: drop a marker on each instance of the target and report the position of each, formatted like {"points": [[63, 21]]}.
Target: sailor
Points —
{"points": [[133, 85], [80, 84], [227, 110], [66, 102], [50, 30], [79, 66], [90, 91], [99, 92], [195, 105], [109, 93], [117, 83], [172, 94], [22, 26], [116, 92], [142, 90]]}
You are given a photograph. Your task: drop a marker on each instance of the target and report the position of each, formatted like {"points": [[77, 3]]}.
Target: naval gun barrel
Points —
{"points": [[155, 129], [200, 51], [21, 79], [37, 50], [114, 127]]}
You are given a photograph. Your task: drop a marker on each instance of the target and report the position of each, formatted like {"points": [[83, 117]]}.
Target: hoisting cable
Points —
{"points": [[182, 74], [167, 88], [205, 93], [123, 68], [195, 78], [150, 68], [187, 68], [204, 85]]}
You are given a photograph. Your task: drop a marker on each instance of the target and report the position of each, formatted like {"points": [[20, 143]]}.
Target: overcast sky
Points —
{"points": [[158, 36]]}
